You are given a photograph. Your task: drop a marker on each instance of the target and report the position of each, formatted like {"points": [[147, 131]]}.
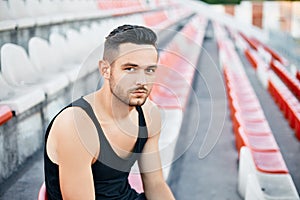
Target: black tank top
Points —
{"points": [[110, 172]]}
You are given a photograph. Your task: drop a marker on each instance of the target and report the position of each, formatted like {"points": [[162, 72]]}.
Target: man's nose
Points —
{"points": [[141, 78]]}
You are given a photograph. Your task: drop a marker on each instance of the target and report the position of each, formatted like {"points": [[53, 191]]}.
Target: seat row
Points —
{"points": [[286, 101], [161, 20], [108, 5], [29, 13], [259, 46], [261, 165], [290, 81], [258, 51], [281, 84], [172, 87]]}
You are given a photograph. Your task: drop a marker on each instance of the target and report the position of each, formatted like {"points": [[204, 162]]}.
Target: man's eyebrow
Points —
{"points": [[152, 66], [136, 65], [129, 64]]}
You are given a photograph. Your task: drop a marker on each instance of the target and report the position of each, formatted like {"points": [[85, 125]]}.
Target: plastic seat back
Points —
{"points": [[42, 193], [42, 55], [4, 11], [60, 47], [18, 9], [16, 66]]}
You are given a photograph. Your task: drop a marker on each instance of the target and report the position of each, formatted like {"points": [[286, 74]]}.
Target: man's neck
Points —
{"points": [[111, 106]]}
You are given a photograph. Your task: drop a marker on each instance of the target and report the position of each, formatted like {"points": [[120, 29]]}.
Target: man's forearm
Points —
{"points": [[159, 191]]}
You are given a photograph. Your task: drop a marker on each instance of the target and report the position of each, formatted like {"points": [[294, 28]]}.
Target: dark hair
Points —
{"points": [[127, 34]]}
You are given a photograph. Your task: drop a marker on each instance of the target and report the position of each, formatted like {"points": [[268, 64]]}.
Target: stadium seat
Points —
{"points": [[42, 192], [171, 96], [262, 72], [249, 112], [252, 57], [6, 22], [40, 11], [259, 164], [255, 127], [291, 82], [259, 64], [286, 101], [4, 12], [260, 158], [262, 143], [19, 99], [176, 63], [253, 43], [19, 12], [21, 72], [135, 182], [79, 46], [270, 186], [171, 124], [5, 114], [64, 57], [272, 52], [298, 75], [154, 18], [43, 56]]}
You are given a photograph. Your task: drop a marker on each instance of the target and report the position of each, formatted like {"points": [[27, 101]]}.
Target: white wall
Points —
{"points": [[243, 12], [296, 20], [271, 15]]}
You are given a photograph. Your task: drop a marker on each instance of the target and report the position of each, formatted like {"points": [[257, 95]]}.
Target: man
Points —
{"points": [[92, 144]]}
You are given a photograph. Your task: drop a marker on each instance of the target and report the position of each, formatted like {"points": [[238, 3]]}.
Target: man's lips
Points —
{"points": [[140, 91]]}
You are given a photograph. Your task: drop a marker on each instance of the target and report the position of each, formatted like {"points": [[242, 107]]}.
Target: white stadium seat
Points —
{"points": [[64, 56], [21, 72], [19, 99], [5, 17], [19, 12]]}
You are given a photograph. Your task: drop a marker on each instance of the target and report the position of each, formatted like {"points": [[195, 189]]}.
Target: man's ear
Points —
{"points": [[104, 68]]}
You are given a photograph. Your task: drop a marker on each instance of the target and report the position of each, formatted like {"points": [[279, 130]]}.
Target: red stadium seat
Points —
{"points": [[287, 102], [135, 181], [154, 18], [290, 81], [270, 162], [252, 43], [253, 58], [265, 142], [42, 193], [5, 114], [298, 75]]}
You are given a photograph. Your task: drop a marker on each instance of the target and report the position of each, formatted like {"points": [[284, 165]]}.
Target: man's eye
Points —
{"points": [[130, 69], [150, 70]]}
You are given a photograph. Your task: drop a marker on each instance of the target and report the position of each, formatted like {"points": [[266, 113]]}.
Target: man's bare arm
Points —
{"points": [[155, 186], [74, 154]]}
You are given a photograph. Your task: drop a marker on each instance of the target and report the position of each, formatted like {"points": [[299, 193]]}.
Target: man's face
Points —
{"points": [[133, 73]]}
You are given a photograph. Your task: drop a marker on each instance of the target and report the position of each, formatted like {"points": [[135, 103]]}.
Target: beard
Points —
{"points": [[127, 96]]}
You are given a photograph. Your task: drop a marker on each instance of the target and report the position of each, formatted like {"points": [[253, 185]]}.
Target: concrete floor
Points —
{"points": [[208, 168]]}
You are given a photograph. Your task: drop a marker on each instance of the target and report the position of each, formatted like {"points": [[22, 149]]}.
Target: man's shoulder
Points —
{"points": [[73, 125], [70, 114], [72, 119]]}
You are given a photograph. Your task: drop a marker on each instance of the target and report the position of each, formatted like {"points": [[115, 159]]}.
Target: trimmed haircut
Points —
{"points": [[127, 34]]}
